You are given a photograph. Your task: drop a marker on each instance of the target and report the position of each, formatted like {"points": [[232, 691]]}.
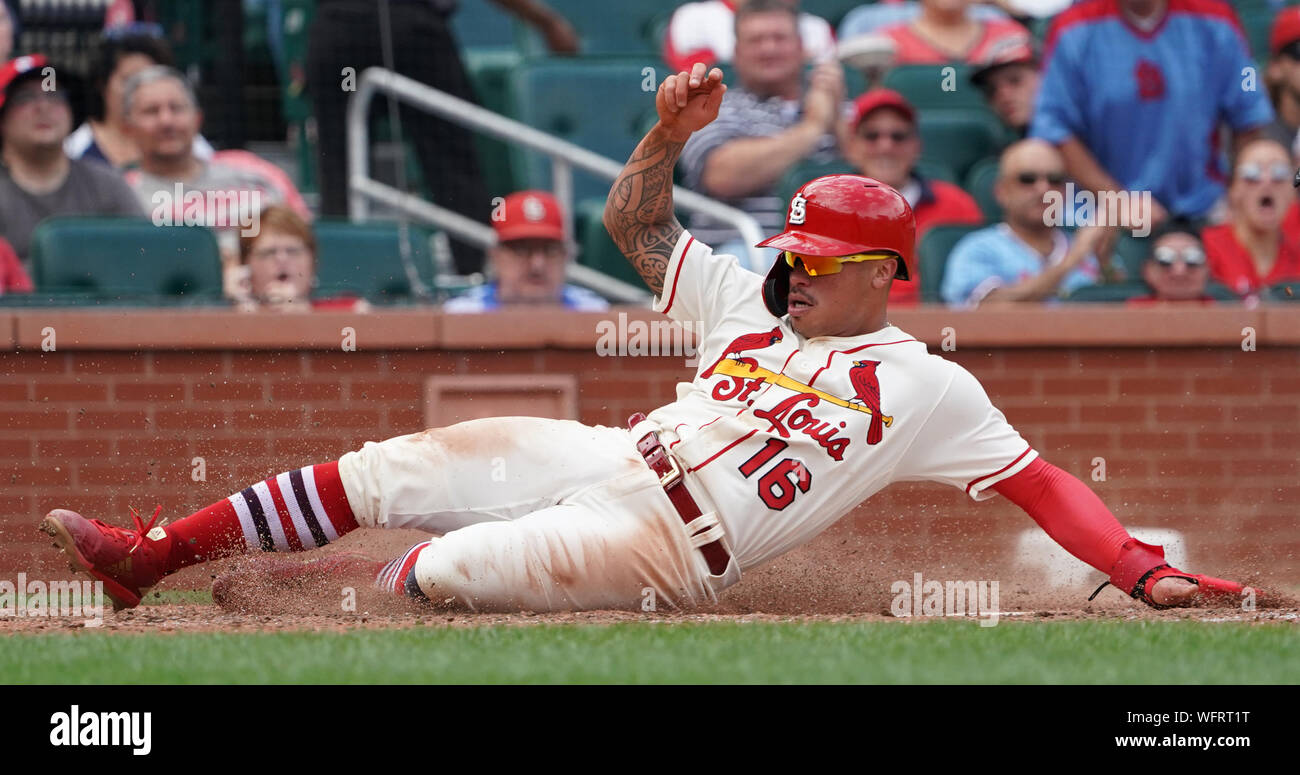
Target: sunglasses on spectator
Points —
{"points": [[873, 135], [1292, 50], [1030, 178], [1254, 173], [816, 266], [1166, 256]]}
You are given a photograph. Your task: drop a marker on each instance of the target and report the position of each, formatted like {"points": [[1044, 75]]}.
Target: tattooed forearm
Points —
{"points": [[639, 211]]}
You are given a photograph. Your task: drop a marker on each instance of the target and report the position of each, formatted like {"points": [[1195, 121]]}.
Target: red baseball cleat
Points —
{"points": [[122, 558]]}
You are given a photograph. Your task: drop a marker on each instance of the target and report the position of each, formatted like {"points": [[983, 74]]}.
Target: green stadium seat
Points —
{"points": [[606, 29], [933, 169], [934, 248], [807, 170], [1113, 294], [125, 258], [489, 72], [596, 249], [1131, 252], [1257, 24], [1284, 292], [597, 105], [479, 24], [366, 259], [926, 87], [979, 184], [959, 138], [832, 11], [1220, 292]]}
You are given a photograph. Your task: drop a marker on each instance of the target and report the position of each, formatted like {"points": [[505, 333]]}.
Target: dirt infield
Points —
{"points": [[836, 578]]}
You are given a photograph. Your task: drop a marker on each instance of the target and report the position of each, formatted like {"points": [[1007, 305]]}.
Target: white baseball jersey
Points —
{"points": [[778, 429]]}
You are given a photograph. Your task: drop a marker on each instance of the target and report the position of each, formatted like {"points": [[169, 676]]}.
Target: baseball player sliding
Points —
{"points": [[806, 403]]}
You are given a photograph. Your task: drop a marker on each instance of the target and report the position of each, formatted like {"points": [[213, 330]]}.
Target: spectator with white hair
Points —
{"points": [[123, 52], [175, 186]]}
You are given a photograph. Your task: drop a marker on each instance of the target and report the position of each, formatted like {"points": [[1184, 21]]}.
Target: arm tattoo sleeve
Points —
{"points": [[639, 211]]}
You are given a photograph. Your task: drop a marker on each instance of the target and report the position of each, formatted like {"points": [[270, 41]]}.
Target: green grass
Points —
{"points": [[726, 652], [178, 597]]}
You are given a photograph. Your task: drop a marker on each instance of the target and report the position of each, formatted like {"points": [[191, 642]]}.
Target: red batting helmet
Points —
{"points": [[840, 215]]}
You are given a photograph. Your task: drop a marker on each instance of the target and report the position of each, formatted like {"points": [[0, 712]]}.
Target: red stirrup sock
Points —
{"points": [[392, 578], [300, 509]]}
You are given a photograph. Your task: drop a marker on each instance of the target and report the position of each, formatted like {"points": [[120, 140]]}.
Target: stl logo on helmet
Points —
{"points": [[798, 209]]}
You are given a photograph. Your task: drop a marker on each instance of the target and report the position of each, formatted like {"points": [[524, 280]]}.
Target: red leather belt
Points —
{"points": [[670, 476]]}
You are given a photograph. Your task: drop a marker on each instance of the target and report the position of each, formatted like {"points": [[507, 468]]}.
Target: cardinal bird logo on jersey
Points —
{"points": [[746, 342], [867, 387]]}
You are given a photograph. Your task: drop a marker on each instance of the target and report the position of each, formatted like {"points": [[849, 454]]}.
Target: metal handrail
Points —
{"points": [[563, 154]]}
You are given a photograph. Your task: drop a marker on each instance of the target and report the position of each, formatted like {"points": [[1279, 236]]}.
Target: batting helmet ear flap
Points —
{"points": [[776, 287]]}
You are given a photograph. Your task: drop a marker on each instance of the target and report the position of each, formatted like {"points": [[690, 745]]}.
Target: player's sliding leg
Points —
{"points": [[437, 480], [296, 510], [623, 548]]}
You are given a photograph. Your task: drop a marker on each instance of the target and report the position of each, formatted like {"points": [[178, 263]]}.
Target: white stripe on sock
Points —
{"points": [[305, 537], [326, 524], [272, 516], [251, 541]]}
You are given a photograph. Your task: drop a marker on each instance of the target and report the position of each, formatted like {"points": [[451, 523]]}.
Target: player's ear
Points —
{"points": [[884, 274]]}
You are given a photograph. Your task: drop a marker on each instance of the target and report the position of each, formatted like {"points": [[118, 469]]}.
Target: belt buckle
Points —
{"points": [[671, 476]]}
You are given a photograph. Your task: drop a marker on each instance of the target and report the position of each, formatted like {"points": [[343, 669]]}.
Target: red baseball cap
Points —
{"points": [[1016, 49], [1286, 29], [529, 215], [881, 98], [15, 69]]}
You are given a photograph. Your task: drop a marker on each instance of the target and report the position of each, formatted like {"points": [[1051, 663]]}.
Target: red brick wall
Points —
{"points": [[1202, 437]]}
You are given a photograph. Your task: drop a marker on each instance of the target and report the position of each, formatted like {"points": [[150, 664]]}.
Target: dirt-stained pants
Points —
{"points": [[535, 514]]}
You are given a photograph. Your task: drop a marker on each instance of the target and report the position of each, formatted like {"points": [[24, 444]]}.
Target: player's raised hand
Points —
{"points": [[687, 102]]}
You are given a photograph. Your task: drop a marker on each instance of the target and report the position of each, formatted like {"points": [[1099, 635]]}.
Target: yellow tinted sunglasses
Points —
{"points": [[816, 266]]}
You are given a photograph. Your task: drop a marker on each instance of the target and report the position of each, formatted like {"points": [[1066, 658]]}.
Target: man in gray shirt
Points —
{"points": [[765, 127], [36, 179]]}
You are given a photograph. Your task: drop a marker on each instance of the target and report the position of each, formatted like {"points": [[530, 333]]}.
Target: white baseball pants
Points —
{"points": [[536, 514]]}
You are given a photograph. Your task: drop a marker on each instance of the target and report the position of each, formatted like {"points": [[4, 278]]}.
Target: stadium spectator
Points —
{"points": [[279, 267], [1176, 269], [1283, 76], [347, 34], [706, 32], [946, 31], [1132, 111], [1031, 9], [226, 192], [1024, 258], [768, 123], [1252, 250], [36, 179], [13, 278], [8, 31], [870, 18], [528, 262], [104, 137], [1008, 77], [884, 144]]}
